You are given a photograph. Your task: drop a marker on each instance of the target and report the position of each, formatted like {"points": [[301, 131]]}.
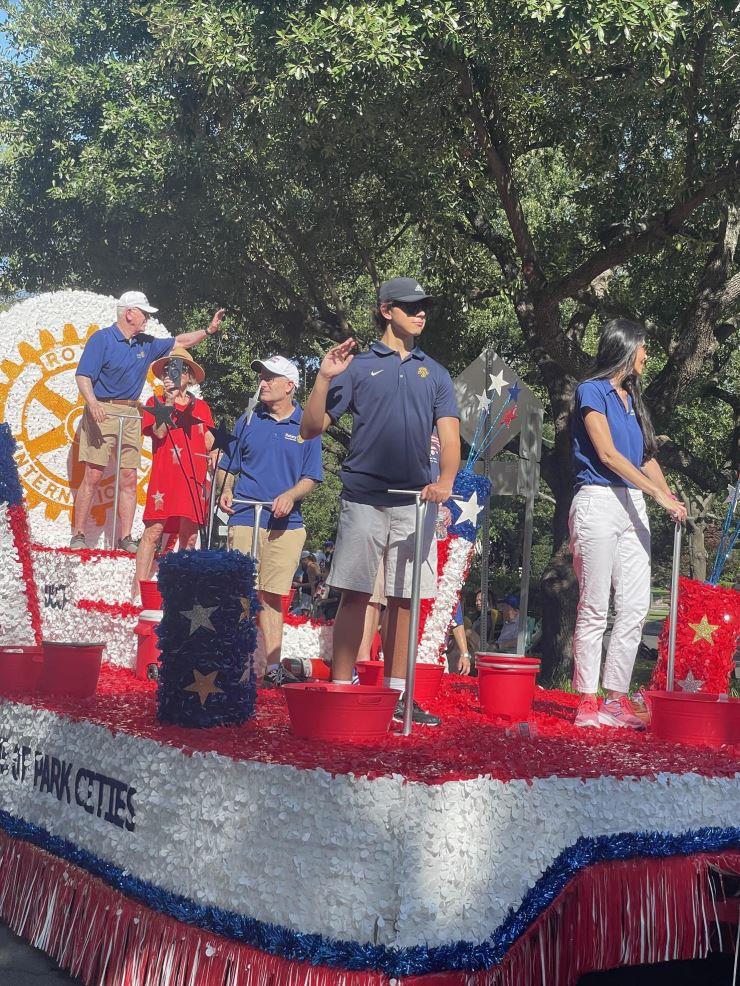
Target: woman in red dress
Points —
{"points": [[176, 497]]}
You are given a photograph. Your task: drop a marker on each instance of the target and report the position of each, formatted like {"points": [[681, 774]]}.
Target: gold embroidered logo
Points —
{"points": [[423, 372]]}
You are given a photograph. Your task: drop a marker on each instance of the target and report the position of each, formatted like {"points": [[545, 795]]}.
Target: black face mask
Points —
{"points": [[174, 369]]}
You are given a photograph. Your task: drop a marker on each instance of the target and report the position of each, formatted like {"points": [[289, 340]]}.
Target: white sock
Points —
{"points": [[340, 681], [397, 684]]}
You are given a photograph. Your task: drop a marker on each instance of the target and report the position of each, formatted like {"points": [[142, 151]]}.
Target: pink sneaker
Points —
{"points": [[588, 712], [618, 712]]}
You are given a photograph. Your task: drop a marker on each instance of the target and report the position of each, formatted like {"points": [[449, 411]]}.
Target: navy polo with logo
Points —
{"points": [[268, 458], [395, 405], [601, 396], [118, 366]]}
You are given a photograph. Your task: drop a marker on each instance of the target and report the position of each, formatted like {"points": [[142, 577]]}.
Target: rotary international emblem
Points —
{"points": [[423, 372], [40, 401]]}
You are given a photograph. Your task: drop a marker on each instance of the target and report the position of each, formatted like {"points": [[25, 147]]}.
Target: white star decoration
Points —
{"points": [[469, 510], [498, 382], [158, 500], [199, 616], [484, 402], [690, 684]]}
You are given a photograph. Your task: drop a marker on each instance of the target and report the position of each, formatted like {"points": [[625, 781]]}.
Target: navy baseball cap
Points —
{"points": [[402, 289], [512, 601]]}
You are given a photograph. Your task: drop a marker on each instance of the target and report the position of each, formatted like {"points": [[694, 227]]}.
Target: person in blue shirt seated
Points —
{"points": [[110, 378], [396, 395], [614, 450], [271, 462]]}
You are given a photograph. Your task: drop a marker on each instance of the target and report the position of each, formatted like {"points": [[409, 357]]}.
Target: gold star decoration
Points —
{"points": [[204, 685], [246, 606], [703, 630]]}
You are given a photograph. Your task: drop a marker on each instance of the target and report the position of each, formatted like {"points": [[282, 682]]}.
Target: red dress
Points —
{"points": [[177, 484]]}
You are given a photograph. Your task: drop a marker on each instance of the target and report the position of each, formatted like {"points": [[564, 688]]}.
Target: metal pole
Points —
{"points": [[256, 531], [673, 611], [258, 505], [118, 478], [413, 644], [211, 509], [521, 640], [485, 541]]}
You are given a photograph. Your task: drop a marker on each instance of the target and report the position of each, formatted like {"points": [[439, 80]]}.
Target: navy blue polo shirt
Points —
{"points": [[118, 366], [268, 458], [395, 405], [600, 395]]}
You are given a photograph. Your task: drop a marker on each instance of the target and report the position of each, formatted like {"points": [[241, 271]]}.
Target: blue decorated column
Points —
{"points": [[207, 637]]}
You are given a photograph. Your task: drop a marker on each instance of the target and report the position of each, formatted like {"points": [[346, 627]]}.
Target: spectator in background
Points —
{"points": [[458, 654], [506, 641]]}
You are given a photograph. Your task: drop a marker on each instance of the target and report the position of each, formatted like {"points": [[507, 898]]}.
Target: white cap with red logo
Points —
{"points": [[280, 366]]}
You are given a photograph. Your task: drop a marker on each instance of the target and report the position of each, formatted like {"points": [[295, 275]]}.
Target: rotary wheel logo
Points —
{"points": [[40, 401]]}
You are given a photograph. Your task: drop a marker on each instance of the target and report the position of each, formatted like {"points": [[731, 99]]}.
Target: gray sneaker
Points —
{"points": [[78, 542], [128, 544]]}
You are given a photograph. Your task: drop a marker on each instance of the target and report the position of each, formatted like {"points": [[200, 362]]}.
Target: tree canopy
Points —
{"points": [[542, 165]]}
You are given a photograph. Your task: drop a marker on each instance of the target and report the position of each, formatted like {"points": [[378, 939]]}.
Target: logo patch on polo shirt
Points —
{"points": [[423, 372], [294, 438]]}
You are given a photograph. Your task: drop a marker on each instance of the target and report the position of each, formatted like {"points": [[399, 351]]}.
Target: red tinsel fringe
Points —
{"points": [[84, 554], [22, 541], [112, 609], [710, 663], [105, 939], [611, 915]]}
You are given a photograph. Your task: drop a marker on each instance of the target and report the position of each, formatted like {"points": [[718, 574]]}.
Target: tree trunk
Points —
{"points": [[697, 550], [559, 585]]}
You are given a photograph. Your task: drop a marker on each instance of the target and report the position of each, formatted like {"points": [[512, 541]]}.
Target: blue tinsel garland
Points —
{"points": [[217, 581], [11, 491], [395, 962]]}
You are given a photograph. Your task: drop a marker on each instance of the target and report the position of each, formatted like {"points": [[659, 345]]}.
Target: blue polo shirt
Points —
{"points": [[268, 457], [395, 405], [118, 366], [600, 395]]}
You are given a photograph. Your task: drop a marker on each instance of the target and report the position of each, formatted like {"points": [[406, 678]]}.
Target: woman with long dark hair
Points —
{"points": [[614, 450]]}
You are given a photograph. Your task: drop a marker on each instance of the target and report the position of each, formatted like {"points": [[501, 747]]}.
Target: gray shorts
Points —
{"points": [[368, 535]]}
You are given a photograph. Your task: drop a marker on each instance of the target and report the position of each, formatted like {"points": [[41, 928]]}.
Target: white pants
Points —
{"points": [[610, 540]]}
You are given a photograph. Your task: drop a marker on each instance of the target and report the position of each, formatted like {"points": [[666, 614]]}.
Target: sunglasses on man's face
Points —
{"points": [[412, 307]]}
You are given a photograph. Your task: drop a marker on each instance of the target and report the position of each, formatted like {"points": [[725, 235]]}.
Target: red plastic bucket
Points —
{"points": [[151, 597], [694, 718], [427, 679], [20, 669], [492, 657], [506, 687], [70, 669], [147, 644], [339, 712], [286, 602]]}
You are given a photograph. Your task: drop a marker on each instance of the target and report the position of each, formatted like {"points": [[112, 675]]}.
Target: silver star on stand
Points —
{"points": [[690, 684], [199, 616], [484, 402], [498, 382]]}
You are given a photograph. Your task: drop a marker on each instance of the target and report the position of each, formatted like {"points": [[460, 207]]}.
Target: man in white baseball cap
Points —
{"points": [[269, 461], [110, 377]]}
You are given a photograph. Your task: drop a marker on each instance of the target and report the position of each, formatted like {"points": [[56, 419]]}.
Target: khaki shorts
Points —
{"points": [[373, 538], [280, 553], [98, 441]]}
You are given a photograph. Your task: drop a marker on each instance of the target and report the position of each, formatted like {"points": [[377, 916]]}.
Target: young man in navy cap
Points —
{"points": [[397, 395]]}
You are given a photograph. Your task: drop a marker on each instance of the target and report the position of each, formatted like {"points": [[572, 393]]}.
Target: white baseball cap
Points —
{"points": [[135, 299], [280, 366]]}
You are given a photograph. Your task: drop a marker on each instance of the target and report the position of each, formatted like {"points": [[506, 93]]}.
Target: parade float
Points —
{"points": [[177, 831]]}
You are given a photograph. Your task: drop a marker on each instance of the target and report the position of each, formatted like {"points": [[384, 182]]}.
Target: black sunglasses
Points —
{"points": [[412, 307]]}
